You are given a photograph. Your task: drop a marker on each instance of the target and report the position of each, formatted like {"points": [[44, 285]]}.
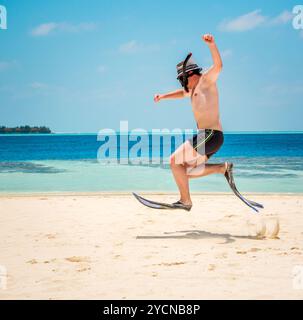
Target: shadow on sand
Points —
{"points": [[197, 235]]}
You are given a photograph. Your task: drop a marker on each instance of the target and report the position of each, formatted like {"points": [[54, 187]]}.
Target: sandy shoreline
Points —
{"points": [[143, 193], [107, 246]]}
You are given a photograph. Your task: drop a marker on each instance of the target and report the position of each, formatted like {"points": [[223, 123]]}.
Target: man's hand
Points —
{"points": [[208, 38], [157, 98], [213, 73]]}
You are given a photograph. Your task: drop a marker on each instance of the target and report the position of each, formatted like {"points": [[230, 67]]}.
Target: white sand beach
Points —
{"points": [[108, 246]]}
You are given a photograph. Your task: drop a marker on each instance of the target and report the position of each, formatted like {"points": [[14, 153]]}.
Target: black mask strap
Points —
{"points": [[185, 79]]}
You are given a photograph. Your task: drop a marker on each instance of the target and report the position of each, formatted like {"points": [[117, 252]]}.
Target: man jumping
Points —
{"points": [[190, 159]]}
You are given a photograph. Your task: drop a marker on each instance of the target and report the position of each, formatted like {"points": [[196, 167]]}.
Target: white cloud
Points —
{"points": [[46, 29], [133, 47], [253, 20], [245, 22], [101, 69], [283, 18], [226, 53], [284, 89], [38, 85], [129, 47], [5, 65]]}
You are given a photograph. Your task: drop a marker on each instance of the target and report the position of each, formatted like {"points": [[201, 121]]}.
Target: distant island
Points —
{"points": [[24, 130]]}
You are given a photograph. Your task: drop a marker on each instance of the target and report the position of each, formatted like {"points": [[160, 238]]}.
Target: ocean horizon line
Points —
{"points": [[149, 132]]}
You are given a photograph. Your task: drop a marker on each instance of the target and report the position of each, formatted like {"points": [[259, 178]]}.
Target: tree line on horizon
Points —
{"points": [[24, 129]]}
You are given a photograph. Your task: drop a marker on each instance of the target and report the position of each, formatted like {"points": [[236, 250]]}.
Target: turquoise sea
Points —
{"points": [[264, 162]]}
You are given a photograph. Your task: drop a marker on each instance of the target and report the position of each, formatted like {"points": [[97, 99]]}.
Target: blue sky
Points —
{"points": [[81, 66]]}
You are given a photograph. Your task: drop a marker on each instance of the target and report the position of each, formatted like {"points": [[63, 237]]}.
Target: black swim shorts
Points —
{"points": [[207, 141]]}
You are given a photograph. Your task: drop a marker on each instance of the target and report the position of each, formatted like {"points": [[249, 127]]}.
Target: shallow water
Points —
{"points": [[263, 163]]}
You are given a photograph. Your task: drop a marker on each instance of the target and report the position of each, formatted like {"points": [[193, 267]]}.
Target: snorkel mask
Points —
{"points": [[184, 78], [186, 69]]}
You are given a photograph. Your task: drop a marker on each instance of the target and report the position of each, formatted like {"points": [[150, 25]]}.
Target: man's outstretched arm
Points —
{"points": [[178, 94], [212, 74]]}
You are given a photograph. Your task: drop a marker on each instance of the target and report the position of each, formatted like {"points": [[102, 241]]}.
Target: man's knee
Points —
{"points": [[174, 161]]}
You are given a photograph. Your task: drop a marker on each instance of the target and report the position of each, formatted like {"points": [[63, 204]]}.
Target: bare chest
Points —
{"points": [[203, 97]]}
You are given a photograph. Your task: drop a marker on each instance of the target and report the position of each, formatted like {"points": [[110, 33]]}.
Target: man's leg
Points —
{"points": [[204, 170], [186, 163], [178, 162], [181, 178]]}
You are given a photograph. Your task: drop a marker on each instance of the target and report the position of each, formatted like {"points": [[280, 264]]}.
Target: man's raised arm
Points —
{"points": [[213, 73], [178, 94]]}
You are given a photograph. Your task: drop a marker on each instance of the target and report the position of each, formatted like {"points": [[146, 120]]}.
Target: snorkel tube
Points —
{"points": [[185, 79]]}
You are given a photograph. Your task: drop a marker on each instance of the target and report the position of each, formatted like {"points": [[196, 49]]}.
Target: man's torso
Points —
{"points": [[205, 105]]}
